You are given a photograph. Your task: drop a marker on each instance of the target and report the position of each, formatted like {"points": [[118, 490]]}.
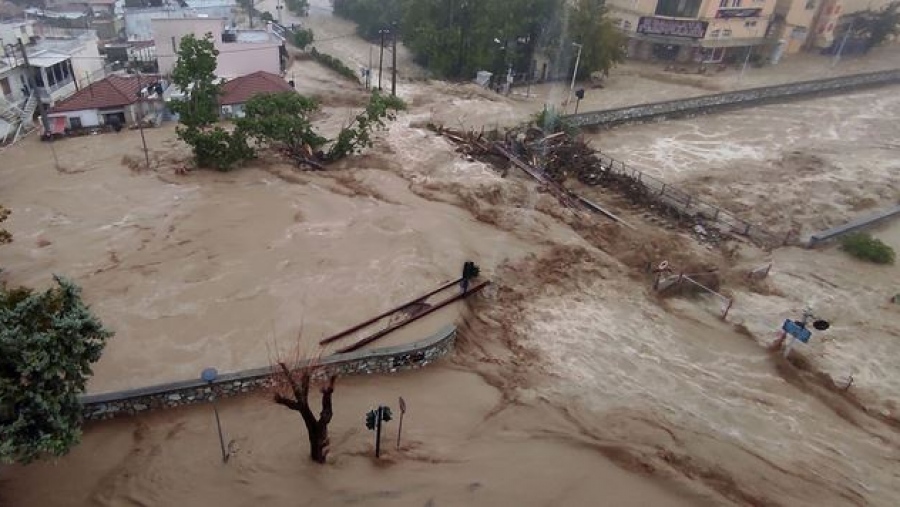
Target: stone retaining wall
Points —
{"points": [[382, 360], [728, 100]]}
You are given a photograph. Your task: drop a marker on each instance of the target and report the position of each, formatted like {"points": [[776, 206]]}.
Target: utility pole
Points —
{"points": [[369, 69], [381, 56], [394, 61], [31, 82], [140, 118]]}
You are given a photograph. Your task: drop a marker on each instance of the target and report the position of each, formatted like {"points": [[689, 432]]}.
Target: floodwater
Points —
{"points": [[806, 165]]}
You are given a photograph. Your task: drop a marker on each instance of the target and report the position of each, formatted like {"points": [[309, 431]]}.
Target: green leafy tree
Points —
{"points": [[358, 135], [48, 341], [876, 26], [303, 37], [603, 46], [194, 74], [298, 7], [283, 121]]}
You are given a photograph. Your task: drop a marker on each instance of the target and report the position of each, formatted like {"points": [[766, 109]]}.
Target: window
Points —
{"points": [[4, 86], [735, 3], [714, 34], [726, 33], [174, 46], [75, 122], [678, 8], [723, 3], [810, 5]]}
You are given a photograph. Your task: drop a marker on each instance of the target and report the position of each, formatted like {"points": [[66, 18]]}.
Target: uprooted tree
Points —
{"points": [[292, 391], [282, 121], [48, 341]]}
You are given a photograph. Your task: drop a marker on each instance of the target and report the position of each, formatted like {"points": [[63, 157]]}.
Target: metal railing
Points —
{"points": [[690, 205]]}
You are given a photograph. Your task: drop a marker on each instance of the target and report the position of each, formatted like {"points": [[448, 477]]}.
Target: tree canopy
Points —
{"points": [[48, 341], [5, 236], [195, 75], [456, 38], [876, 26]]}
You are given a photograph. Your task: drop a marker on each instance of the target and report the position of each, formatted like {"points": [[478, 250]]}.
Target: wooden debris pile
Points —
{"points": [[474, 145]]}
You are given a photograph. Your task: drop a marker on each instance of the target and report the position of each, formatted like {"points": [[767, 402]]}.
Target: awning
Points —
{"points": [[46, 59]]}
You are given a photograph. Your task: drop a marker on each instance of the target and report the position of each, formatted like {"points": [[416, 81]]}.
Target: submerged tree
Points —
{"points": [[48, 341], [282, 121], [195, 75], [292, 391]]}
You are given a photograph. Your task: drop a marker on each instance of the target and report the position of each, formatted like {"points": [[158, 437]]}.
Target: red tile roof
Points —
{"points": [[112, 91], [240, 89]]}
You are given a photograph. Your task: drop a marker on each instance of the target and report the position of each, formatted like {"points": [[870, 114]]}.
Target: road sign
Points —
{"points": [[792, 328]]}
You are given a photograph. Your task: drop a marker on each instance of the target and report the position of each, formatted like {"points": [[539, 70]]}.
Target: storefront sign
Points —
{"points": [[738, 13], [672, 27]]}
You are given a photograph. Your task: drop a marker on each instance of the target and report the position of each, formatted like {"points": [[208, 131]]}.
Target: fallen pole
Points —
{"points": [[389, 312], [596, 207], [380, 334]]}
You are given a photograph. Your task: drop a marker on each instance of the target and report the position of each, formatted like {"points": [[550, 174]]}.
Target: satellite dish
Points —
{"points": [[821, 325]]}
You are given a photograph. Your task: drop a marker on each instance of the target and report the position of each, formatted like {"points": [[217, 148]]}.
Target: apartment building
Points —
{"points": [[698, 31], [241, 52]]}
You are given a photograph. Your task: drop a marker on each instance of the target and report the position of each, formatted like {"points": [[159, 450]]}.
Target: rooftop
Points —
{"points": [[112, 91], [240, 89]]}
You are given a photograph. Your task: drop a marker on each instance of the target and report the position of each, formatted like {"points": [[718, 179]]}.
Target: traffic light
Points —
{"points": [[579, 93], [386, 414], [370, 420]]}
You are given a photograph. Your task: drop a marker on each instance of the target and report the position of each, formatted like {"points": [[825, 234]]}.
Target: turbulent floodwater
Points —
{"points": [[801, 166]]}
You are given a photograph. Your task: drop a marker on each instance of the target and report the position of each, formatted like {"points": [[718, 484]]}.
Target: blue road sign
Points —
{"points": [[792, 328]]}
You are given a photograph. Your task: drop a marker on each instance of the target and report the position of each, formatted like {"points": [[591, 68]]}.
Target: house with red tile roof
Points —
{"points": [[115, 99], [237, 91]]}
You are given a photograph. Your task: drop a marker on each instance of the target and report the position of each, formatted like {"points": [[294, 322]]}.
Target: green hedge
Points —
{"points": [[334, 64], [863, 246]]}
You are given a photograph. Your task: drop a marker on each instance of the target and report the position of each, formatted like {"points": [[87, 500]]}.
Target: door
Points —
{"points": [[5, 89]]}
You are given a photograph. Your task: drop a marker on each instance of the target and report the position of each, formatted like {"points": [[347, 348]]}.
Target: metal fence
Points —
{"points": [[690, 205]]}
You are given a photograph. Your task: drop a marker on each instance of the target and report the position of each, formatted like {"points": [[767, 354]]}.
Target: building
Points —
{"points": [[114, 100], [241, 52], [692, 30], [139, 16], [236, 92]]}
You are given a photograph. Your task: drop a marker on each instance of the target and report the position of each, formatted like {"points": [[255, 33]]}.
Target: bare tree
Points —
{"points": [[292, 391]]}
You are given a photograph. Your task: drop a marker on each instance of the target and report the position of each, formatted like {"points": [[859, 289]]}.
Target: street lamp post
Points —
{"points": [[574, 74], [747, 57], [837, 56], [382, 33], [209, 376], [278, 8]]}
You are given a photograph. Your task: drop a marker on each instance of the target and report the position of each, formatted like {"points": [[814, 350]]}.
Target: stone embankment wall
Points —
{"points": [[382, 360], [730, 100]]}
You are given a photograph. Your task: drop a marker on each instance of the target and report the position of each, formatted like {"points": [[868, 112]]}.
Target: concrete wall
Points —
{"points": [[167, 34], [239, 59], [742, 98], [382, 360]]}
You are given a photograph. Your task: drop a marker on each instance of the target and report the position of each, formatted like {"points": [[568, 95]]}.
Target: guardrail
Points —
{"points": [[726, 100], [853, 226], [692, 206]]}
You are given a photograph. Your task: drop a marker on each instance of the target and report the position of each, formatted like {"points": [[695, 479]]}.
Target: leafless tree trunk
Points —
{"points": [[297, 383]]}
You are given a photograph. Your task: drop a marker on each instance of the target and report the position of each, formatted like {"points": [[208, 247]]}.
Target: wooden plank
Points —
{"points": [[380, 316], [384, 332]]}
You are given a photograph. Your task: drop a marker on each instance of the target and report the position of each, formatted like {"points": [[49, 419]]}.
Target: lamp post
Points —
{"points": [[837, 56], [747, 57], [209, 375], [278, 9], [574, 74]]}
